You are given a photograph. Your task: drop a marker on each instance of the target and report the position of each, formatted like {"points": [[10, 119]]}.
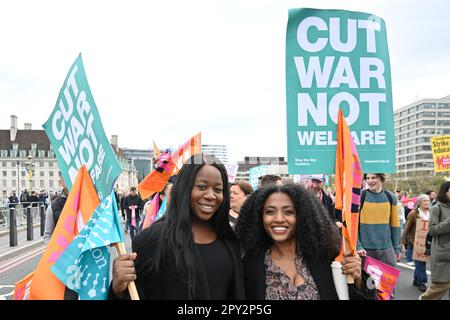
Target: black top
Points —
{"points": [[219, 269], [233, 221], [133, 201], [328, 204], [167, 285]]}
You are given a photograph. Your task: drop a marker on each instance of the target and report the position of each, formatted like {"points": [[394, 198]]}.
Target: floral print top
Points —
{"points": [[279, 287]]}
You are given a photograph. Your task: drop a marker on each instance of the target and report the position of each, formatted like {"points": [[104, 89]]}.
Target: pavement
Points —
{"points": [[23, 245]]}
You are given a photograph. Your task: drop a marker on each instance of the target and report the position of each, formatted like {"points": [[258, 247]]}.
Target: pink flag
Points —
{"points": [[133, 215], [384, 275], [150, 216]]}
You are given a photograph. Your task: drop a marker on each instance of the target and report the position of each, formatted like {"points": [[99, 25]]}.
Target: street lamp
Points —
{"points": [[18, 179], [29, 166]]}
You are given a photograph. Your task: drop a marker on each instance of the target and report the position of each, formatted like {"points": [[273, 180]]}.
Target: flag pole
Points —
{"points": [[120, 247], [345, 243]]}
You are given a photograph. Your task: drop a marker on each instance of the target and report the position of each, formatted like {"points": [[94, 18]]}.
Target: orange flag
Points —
{"points": [[22, 288], [79, 207], [157, 179], [188, 149], [348, 185]]}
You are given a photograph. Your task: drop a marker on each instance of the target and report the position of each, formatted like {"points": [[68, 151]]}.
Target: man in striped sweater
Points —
{"points": [[379, 227]]}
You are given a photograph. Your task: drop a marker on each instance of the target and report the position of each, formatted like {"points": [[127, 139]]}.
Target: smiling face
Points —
{"points": [[280, 217], [374, 183], [316, 185], [425, 203], [207, 193]]}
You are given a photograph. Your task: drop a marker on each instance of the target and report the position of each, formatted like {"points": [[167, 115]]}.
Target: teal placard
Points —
{"points": [[254, 173], [335, 60], [77, 136]]}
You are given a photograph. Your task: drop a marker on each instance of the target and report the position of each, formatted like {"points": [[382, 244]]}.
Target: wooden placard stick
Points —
{"points": [[120, 247]]}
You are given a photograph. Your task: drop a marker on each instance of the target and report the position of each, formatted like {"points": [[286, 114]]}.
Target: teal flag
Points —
{"points": [[85, 264], [162, 209], [77, 136], [335, 60]]}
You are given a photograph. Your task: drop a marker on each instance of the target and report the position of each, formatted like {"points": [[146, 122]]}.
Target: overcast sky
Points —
{"points": [[165, 70]]}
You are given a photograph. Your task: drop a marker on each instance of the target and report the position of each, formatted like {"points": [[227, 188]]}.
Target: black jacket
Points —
{"points": [[136, 201], [168, 285], [328, 204], [255, 280]]}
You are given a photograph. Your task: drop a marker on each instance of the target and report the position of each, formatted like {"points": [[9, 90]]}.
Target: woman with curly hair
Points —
{"points": [[191, 252], [290, 243]]}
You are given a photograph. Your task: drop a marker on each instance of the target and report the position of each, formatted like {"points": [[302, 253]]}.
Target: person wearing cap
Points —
{"points": [[315, 184]]}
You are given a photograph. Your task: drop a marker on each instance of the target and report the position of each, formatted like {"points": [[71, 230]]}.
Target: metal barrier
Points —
{"points": [[4, 218], [21, 215], [13, 218]]}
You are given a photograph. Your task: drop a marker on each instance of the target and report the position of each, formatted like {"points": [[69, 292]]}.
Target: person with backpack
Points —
{"points": [[379, 226], [53, 212], [439, 228], [25, 199]]}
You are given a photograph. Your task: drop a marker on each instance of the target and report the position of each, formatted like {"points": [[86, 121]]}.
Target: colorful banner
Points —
{"points": [[408, 202], [441, 153], [254, 173], [384, 275], [167, 166], [151, 211], [162, 209], [77, 211], [84, 266], [77, 136], [335, 60], [348, 185], [156, 152], [22, 288], [188, 149], [419, 240], [232, 169]]}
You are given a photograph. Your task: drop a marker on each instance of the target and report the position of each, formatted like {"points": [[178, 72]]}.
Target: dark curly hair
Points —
{"points": [[317, 235], [442, 194]]}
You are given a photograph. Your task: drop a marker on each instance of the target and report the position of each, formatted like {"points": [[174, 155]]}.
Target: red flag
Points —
{"points": [[79, 207], [348, 185], [158, 178]]}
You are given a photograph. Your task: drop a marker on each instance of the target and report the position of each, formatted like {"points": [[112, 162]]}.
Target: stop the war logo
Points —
{"points": [[337, 60]]}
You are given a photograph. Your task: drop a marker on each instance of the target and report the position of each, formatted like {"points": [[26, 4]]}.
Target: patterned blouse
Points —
{"points": [[279, 287]]}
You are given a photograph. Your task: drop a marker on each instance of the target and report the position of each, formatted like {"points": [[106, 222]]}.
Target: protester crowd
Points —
{"points": [[287, 235], [28, 198]]}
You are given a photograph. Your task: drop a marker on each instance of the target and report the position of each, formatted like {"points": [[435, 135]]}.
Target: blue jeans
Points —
{"points": [[127, 225], [420, 273], [409, 253]]}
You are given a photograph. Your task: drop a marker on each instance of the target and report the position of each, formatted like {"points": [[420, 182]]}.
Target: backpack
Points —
{"points": [[57, 207], [363, 198], [23, 197], [429, 238]]}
